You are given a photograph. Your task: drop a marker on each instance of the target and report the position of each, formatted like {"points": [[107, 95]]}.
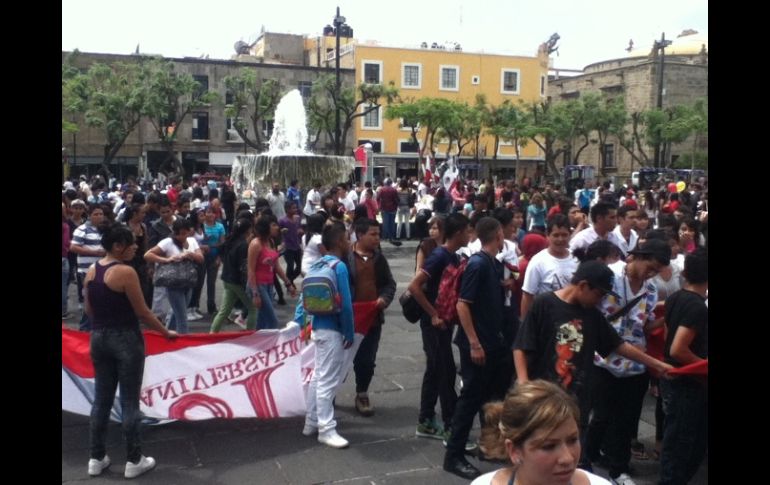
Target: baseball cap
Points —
{"points": [[658, 249], [597, 274]]}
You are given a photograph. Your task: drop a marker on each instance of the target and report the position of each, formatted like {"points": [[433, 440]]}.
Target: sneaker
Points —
{"points": [[363, 406], [66, 315], [429, 429], [145, 464], [623, 479], [96, 467], [469, 445], [191, 317], [332, 439], [197, 313], [240, 321], [282, 302], [309, 429]]}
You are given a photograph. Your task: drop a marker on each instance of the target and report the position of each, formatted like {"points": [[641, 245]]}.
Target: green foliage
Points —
{"points": [[253, 101]]}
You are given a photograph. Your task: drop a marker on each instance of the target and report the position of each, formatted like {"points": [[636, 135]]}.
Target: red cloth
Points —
{"points": [[364, 315], [700, 368], [360, 155], [553, 211]]}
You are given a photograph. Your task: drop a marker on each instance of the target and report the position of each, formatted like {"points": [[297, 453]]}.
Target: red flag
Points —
{"points": [[700, 368], [364, 313], [360, 155]]}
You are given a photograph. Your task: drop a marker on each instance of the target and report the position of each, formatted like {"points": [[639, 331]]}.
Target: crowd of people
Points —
{"points": [[566, 308]]}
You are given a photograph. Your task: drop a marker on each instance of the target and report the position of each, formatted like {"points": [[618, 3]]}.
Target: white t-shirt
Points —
{"points": [[486, 479], [584, 238], [348, 204], [170, 249], [509, 257], [624, 246], [312, 202], [310, 252], [472, 248], [277, 204], [548, 273]]}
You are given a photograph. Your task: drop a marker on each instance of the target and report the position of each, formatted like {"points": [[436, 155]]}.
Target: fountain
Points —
{"points": [[287, 159]]}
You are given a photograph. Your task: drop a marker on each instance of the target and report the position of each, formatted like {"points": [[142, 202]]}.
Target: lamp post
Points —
{"points": [[339, 21], [245, 135], [660, 45]]}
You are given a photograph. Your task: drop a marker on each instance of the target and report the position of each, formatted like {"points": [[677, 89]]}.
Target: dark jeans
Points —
{"points": [[293, 259], [364, 362], [118, 357], [212, 268], [685, 435], [278, 287], [388, 225], [80, 277], [438, 382], [616, 408], [481, 384], [195, 299]]}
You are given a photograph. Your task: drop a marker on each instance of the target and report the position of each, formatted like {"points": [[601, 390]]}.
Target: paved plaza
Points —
{"points": [[383, 449]]}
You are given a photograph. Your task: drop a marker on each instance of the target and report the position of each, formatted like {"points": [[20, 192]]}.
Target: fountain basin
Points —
{"points": [[262, 170]]}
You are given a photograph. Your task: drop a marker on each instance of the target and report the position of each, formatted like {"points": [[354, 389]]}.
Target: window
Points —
{"points": [[609, 156], [410, 76], [509, 81], [372, 72], [232, 133], [203, 86], [542, 85], [406, 124], [200, 126], [408, 147], [373, 119], [448, 78], [376, 145], [229, 97], [305, 88], [267, 128]]}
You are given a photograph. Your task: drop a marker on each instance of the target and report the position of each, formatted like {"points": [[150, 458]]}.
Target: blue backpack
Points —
{"points": [[319, 289]]}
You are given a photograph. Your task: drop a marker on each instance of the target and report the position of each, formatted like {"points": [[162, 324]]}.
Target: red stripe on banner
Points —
{"points": [[76, 346], [700, 368]]}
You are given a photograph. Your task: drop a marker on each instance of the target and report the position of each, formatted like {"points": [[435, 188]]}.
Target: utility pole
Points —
{"points": [[339, 21], [660, 45]]}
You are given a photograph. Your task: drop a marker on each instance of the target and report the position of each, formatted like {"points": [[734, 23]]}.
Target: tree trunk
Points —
{"points": [[497, 147], [517, 168], [580, 150]]}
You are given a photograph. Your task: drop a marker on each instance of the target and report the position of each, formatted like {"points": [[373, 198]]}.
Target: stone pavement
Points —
{"points": [[383, 450]]}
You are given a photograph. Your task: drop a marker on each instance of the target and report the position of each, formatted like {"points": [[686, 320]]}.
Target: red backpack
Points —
{"points": [[449, 291]]}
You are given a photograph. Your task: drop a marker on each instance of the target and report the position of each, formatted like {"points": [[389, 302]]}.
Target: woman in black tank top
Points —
{"points": [[114, 303]]}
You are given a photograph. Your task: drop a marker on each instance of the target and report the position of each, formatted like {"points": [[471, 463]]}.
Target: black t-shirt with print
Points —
{"points": [[560, 340], [481, 286], [687, 309]]}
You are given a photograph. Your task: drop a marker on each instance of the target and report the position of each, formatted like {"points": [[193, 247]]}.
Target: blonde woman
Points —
{"points": [[536, 428]]}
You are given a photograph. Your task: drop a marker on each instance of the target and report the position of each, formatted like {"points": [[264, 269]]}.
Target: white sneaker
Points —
{"points": [[96, 467], [191, 317], [332, 439], [240, 321], [623, 479], [309, 430], [133, 470]]}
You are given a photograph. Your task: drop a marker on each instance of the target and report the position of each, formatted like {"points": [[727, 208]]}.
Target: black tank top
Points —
{"points": [[110, 308]]}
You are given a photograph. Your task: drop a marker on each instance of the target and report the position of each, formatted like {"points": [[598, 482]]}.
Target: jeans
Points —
{"points": [[364, 361], [212, 268], [293, 259], [438, 382], [389, 225], [481, 384], [80, 277], [616, 405], [266, 318], [232, 294], [118, 358], [65, 283], [196, 293], [685, 435], [404, 213], [178, 298], [329, 357]]}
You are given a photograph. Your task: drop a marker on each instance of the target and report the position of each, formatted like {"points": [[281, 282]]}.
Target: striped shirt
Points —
{"points": [[88, 237]]}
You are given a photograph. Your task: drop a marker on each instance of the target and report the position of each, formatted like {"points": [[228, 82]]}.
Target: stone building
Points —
{"points": [[636, 77]]}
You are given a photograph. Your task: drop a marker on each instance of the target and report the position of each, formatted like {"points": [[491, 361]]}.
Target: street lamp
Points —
{"points": [[245, 135], [660, 45], [338, 21]]}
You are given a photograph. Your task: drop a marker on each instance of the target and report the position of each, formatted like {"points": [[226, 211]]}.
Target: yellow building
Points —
{"points": [[438, 72]]}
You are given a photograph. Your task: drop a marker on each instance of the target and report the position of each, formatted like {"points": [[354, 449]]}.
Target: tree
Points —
{"points": [[171, 97], [252, 102], [699, 120], [461, 125], [427, 114], [550, 123], [109, 97], [352, 103], [515, 126], [608, 118]]}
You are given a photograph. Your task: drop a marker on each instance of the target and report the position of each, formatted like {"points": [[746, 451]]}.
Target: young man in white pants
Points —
{"points": [[332, 335]]}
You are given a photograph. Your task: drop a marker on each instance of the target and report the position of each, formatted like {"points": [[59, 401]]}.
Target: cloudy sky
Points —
{"points": [[590, 30]]}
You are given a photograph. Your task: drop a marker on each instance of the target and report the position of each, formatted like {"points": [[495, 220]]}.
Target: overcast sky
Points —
{"points": [[590, 30]]}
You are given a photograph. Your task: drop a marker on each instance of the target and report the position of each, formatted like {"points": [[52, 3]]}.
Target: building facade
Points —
{"points": [[637, 79], [206, 140]]}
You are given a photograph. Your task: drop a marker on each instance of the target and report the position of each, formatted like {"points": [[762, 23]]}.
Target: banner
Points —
{"points": [[261, 374]]}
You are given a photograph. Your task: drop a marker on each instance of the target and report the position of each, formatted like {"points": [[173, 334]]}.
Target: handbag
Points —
{"points": [[179, 274], [409, 307]]}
